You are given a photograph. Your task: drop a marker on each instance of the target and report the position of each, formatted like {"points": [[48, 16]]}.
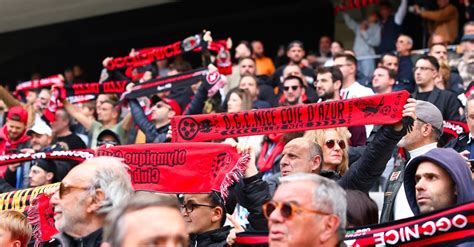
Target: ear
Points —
{"points": [[115, 114], [49, 176], [337, 85], [392, 82], [96, 201], [217, 214], [171, 114], [330, 226], [104, 244], [16, 243], [316, 166]]}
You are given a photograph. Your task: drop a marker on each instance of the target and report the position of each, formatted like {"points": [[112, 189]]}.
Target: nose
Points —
{"points": [[420, 185], [55, 198], [275, 216]]}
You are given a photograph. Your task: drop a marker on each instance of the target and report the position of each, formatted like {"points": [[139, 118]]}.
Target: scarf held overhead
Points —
{"points": [[377, 109], [181, 168]]}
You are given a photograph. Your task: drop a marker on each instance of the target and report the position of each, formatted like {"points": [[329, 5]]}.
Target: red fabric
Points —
{"points": [[449, 227], [6, 144], [41, 218], [179, 167], [18, 112], [267, 164], [377, 109]]}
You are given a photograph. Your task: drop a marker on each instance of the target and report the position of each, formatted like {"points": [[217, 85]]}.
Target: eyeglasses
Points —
{"points": [[189, 207], [287, 209], [66, 189], [292, 87], [331, 143], [422, 68], [100, 143]]}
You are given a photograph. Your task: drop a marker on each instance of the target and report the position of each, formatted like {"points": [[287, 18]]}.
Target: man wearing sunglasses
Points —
{"points": [[293, 89], [88, 192], [204, 216], [315, 216]]}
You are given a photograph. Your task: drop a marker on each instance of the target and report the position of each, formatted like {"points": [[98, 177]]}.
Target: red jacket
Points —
{"points": [[6, 144]]}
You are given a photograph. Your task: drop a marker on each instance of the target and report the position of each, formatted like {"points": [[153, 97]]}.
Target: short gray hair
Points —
{"points": [[112, 177], [114, 227], [328, 197]]}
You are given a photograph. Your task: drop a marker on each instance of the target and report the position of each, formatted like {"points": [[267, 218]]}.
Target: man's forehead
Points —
{"points": [[196, 197], [286, 191]]}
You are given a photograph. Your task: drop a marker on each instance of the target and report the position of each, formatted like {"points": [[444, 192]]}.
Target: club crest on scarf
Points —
{"points": [[221, 160], [189, 128]]}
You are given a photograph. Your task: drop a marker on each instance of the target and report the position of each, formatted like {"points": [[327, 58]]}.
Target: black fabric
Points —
{"points": [[62, 239], [446, 101], [153, 134], [214, 238], [73, 141]]}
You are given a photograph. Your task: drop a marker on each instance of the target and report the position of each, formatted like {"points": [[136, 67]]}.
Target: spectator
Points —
{"points": [[424, 136], [328, 85], [125, 226], [367, 39], [163, 109], [15, 230], [390, 61], [383, 80], [465, 141], [204, 216], [13, 135], [426, 70], [249, 82], [445, 20], [42, 172], [265, 66], [88, 192], [334, 144], [454, 83], [108, 137], [108, 113], [296, 53], [308, 194], [293, 90], [391, 25], [465, 64], [405, 65], [62, 131], [362, 211], [336, 47], [324, 52], [437, 180]]}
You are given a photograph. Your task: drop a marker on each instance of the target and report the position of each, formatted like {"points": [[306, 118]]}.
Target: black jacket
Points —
{"points": [[63, 240], [459, 144], [446, 101], [214, 238], [153, 134]]}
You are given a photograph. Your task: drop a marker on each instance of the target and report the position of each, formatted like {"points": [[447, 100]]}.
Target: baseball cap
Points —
{"points": [[40, 127], [429, 113], [18, 113], [47, 165], [108, 132], [171, 102]]}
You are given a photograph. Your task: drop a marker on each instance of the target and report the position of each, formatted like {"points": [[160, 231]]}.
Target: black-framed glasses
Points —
{"points": [[292, 87], [66, 189], [189, 207], [331, 143], [422, 68], [287, 209]]}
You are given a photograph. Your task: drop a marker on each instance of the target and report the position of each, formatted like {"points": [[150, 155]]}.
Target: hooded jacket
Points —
{"points": [[7, 143], [453, 163]]}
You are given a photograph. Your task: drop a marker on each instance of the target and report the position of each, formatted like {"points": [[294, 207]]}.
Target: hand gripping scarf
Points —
{"points": [[377, 109]]}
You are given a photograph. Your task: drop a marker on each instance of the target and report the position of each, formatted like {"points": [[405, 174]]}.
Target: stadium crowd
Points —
{"points": [[302, 188]]}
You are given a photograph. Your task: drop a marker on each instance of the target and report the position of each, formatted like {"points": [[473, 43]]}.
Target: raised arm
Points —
{"points": [[76, 114]]}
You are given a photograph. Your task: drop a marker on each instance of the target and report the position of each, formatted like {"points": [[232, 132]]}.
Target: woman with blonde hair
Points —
{"points": [[334, 143]]}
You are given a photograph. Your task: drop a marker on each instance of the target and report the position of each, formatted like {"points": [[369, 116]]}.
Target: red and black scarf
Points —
{"points": [[377, 109]]}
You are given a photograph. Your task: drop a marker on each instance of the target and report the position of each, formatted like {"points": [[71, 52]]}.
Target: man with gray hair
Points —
{"points": [[424, 136], [159, 213], [88, 192], [319, 206]]}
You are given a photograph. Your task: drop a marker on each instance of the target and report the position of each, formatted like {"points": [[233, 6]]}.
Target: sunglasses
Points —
{"points": [[66, 189], [331, 143], [100, 143], [292, 87], [287, 209], [189, 207]]}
